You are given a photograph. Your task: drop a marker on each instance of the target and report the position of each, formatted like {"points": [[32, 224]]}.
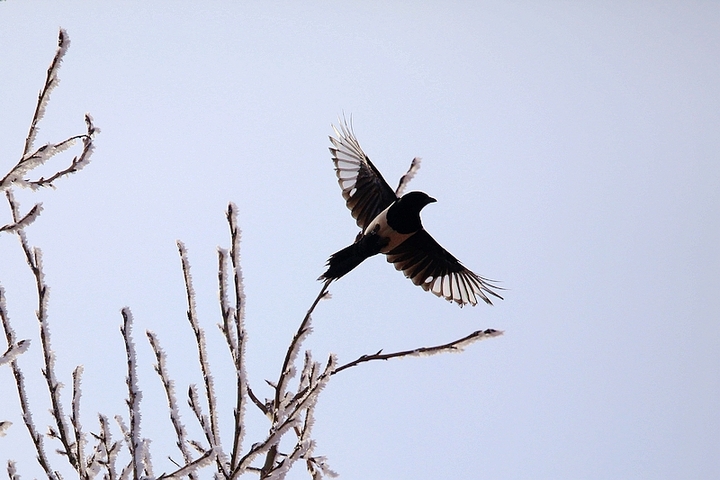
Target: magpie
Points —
{"points": [[390, 224]]}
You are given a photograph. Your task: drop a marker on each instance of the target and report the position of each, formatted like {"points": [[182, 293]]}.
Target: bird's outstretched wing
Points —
{"points": [[432, 267], [365, 191]]}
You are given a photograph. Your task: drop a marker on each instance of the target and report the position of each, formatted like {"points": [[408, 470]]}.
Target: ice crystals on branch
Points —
{"points": [[14, 351], [138, 463]]}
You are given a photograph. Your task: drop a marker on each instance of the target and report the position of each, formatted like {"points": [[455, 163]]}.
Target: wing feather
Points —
{"points": [[433, 268], [365, 191]]}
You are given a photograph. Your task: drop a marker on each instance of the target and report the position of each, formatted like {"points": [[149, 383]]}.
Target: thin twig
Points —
{"points": [[454, 346], [286, 375], [299, 404], [12, 472], [35, 436], [51, 82], [14, 351], [194, 403], [33, 256], [32, 159], [190, 468], [405, 179], [135, 443], [172, 401], [294, 346], [263, 408], [209, 382], [238, 319], [78, 162], [108, 448], [24, 221], [76, 424]]}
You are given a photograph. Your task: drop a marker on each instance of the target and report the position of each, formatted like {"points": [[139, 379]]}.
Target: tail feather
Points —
{"points": [[343, 261]]}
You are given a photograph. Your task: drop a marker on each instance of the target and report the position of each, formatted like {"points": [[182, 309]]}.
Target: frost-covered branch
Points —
{"points": [[78, 162], [12, 472], [192, 467], [194, 403], [233, 327], [302, 404], [287, 372], [34, 157], [169, 387], [455, 346], [209, 381], [14, 351], [75, 422], [134, 441], [68, 431], [37, 438], [106, 450], [33, 256], [409, 175], [51, 81], [24, 221]]}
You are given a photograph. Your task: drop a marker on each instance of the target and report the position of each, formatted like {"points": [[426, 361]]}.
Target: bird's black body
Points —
{"points": [[391, 225], [402, 219]]}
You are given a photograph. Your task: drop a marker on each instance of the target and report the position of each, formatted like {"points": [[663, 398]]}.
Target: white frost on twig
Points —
{"points": [[14, 351], [135, 442], [12, 472], [51, 81], [209, 383], [409, 175], [77, 425], [26, 219], [35, 157], [189, 469], [235, 317], [4, 425], [169, 387]]}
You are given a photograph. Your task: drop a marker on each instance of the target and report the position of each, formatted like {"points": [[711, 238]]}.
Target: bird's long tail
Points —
{"points": [[341, 262]]}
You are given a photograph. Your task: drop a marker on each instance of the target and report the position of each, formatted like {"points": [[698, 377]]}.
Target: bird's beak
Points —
{"points": [[431, 200]]}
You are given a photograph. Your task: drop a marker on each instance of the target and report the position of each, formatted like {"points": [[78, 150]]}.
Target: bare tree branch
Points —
{"points": [[233, 326], [78, 162], [172, 401], [209, 381], [24, 221], [51, 82], [35, 436], [454, 346], [32, 159], [12, 472], [409, 175], [77, 426], [287, 372], [135, 443], [33, 257], [190, 468]]}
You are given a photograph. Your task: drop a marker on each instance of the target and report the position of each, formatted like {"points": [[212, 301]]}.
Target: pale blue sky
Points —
{"points": [[573, 147]]}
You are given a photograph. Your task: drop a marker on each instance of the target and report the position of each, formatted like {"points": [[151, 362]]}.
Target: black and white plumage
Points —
{"points": [[390, 224]]}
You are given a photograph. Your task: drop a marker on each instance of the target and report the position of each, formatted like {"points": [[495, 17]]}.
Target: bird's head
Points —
{"points": [[416, 200], [404, 215]]}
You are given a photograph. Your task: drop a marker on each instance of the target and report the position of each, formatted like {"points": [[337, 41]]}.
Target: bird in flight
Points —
{"points": [[390, 224]]}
